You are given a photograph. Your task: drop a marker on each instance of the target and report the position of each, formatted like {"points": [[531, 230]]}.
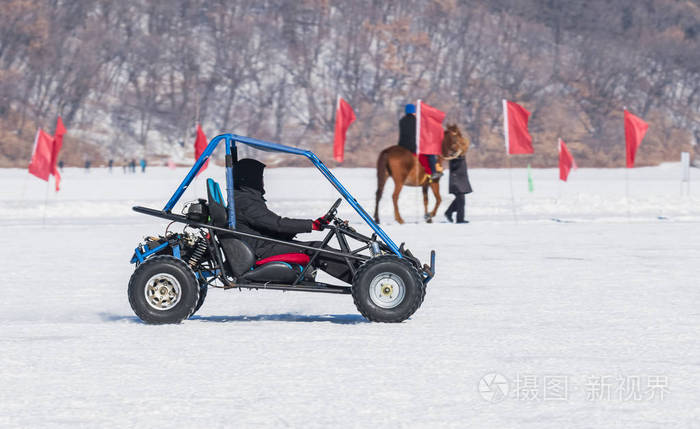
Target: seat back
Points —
{"points": [[217, 205], [239, 256]]}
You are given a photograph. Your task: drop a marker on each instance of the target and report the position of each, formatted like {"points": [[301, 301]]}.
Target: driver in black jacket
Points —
{"points": [[253, 216]]}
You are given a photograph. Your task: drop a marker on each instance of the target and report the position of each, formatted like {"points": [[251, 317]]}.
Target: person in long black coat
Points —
{"points": [[459, 187], [253, 217]]}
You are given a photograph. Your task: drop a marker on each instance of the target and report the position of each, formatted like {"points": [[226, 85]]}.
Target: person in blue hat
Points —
{"points": [[407, 138], [407, 129]]}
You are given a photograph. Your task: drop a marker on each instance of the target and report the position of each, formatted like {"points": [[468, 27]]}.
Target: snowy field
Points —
{"points": [[578, 308]]}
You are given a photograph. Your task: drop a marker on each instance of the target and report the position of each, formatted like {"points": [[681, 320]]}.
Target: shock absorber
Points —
{"points": [[199, 248], [374, 248]]}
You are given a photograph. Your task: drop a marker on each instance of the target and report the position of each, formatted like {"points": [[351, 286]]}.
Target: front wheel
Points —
{"points": [[163, 289], [387, 289]]}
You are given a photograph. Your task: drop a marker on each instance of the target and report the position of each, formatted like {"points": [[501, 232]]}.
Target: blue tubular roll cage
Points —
{"points": [[231, 140]]}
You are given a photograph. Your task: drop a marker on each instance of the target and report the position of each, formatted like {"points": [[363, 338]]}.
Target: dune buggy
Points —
{"points": [[174, 270]]}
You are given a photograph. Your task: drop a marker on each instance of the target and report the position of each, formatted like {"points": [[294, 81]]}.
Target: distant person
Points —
{"points": [[110, 164], [60, 165], [132, 166], [407, 139], [125, 166], [459, 187], [87, 165], [143, 165]]}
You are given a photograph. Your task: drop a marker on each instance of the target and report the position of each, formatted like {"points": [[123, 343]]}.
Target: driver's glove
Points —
{"points": [[319, 223]]}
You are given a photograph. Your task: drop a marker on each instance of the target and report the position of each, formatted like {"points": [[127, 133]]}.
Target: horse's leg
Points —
{"points": [[381, 181], [427, 217], [436, 191], [398, 185]]}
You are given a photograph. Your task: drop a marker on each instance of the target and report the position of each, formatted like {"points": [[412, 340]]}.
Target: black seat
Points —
{"points": [[239, 256]]}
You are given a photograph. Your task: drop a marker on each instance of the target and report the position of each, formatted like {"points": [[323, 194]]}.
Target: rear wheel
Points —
{"points": [[163, 289], [203, 288], [387, 289]]}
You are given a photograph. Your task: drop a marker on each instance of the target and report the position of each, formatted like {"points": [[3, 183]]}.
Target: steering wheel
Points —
{"points": [[331, 212]]}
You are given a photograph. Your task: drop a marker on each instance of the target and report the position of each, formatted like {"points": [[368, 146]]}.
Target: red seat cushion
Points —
{"points": [[290, 258]]}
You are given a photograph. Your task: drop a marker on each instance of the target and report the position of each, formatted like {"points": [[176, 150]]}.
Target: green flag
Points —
{"points": [[530, 183]]}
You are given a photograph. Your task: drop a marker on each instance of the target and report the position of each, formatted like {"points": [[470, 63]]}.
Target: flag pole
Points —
{"points": [[627, 193], [512, 194], [685, 173], [46, 200], [419, 189], [558, 191], [682, 174], [510, 170], [627, 175], [559, 178]]}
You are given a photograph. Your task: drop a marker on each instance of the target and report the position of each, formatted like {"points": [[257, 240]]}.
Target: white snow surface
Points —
{"points": [[578, 284]]}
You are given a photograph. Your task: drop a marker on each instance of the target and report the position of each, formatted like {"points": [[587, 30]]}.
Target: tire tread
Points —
{"points": [[154, 260], [390, 258]]}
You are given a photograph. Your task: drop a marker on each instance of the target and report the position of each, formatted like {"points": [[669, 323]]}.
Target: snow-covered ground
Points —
{"points": [[584, 312]]}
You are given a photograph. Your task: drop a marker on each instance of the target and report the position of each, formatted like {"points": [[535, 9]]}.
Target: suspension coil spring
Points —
{"points": [[199, 249]]}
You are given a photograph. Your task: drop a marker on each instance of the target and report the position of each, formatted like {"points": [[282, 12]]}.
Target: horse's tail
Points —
{"points": [[383, 172]]}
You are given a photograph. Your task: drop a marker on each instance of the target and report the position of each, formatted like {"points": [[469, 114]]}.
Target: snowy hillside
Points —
{"points": [[587, 320]]}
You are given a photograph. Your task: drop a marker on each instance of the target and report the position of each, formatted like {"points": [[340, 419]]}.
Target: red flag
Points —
{"points": [[200, 143], [566, 161], [518, 139], [635, 129], [40, 166], [57, 145], [344, 116], [430, 131]]}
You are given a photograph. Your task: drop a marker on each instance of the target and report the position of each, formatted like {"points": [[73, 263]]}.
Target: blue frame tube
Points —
{"points": [[232, 139], [229, 184], [193, 172]]}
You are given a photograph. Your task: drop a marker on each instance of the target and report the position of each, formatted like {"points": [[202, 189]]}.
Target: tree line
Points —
{"points": [[134, 77]]}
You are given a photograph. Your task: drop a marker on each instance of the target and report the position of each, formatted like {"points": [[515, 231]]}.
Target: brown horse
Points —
{"points": [[405, 169]]}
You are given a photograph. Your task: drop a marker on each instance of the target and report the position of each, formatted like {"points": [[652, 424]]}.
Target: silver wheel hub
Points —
{"points": [[387, 290], [162, 291]]}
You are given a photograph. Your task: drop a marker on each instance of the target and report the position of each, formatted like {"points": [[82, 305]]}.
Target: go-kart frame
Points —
{"points": [[340, 230]]}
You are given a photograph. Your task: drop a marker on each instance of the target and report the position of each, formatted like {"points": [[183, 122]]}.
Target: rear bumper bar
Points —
{"points": [[429, 270]]}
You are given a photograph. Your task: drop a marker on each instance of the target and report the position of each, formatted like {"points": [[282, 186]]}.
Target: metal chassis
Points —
{"points": [[334, 230], [219, 270]]}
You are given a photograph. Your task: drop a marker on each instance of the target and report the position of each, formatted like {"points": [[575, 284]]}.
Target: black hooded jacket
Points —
{"points": [[407, 132], [252, 214]]}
